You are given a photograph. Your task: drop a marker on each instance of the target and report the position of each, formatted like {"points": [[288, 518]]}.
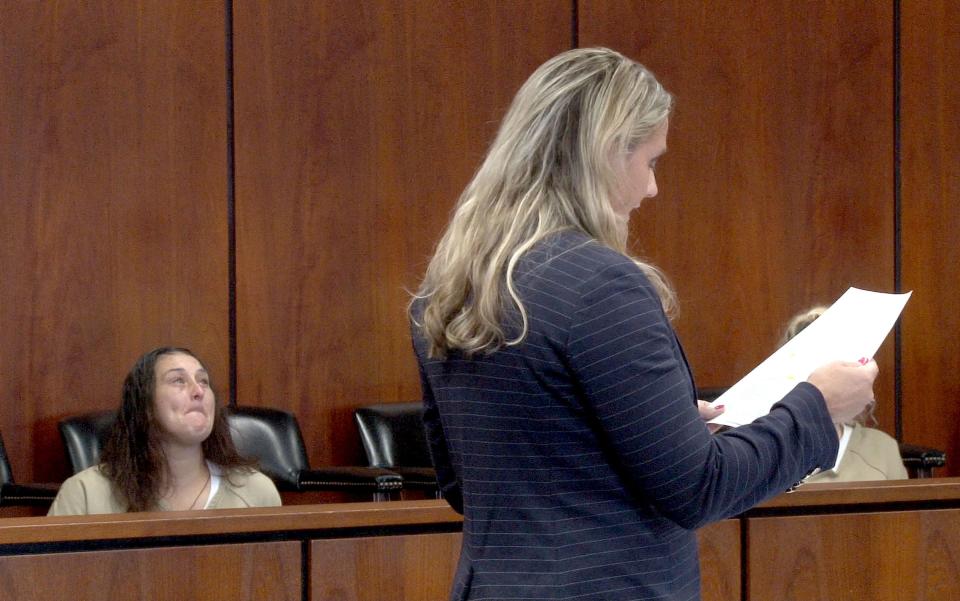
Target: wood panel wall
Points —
{"points": [[357, 125], [776, 193], [930, 125], [112, 182]]}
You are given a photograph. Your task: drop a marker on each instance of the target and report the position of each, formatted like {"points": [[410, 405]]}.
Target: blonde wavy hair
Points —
{"points": [[556, 164], [800, 321]]}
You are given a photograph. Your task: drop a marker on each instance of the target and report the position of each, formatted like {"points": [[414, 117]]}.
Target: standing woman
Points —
{"points": [[560, 408], [170, 448]]}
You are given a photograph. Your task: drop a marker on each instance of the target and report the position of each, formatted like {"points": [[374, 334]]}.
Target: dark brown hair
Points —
{"points": [[133, 457]]}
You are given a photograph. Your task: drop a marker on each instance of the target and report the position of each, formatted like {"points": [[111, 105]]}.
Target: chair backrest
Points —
{"points": [[392, 435], [269, 435], [272, 437], [22, 495], [84, 436]]}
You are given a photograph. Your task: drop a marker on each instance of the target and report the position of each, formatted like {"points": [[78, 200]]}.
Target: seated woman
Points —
{"points": [[170, 448], [865, 453]]}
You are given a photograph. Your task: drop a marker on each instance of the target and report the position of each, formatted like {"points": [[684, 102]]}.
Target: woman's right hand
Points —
{"points": [[846, 387]]}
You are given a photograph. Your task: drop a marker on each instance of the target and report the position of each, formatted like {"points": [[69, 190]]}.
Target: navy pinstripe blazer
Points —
{"points": [[578, 457]]}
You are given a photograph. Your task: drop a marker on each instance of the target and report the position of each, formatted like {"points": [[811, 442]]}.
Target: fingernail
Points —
{"points": [[719, 406], [863, 361]]}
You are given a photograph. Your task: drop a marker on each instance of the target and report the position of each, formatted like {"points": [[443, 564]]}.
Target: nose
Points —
{"points": [[196, 390], [652, 185]]}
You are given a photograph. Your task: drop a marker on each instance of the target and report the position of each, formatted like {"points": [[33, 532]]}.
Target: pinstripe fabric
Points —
{"points": [[578, 457]]}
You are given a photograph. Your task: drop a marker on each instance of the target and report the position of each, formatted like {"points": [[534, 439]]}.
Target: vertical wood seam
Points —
{"points": [[574, 24], [897, 205], [231, 211]]}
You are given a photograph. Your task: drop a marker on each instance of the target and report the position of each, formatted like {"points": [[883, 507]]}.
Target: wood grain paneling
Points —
{"points": [[113, 177], [930, 126], [777, 191], [422, 566], [246, 572], [720, 561], [902, 531], [286, 522], [358, 124], [411, 567], [864, 495], [878, 556]]}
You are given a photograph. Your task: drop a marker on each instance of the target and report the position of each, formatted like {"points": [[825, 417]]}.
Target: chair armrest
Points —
{"points": [[920, 460], [420, 478], [350, 479], [34, 495]]}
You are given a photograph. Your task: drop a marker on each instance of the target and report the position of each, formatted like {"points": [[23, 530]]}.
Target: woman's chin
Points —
{"points": [[192, 435]]}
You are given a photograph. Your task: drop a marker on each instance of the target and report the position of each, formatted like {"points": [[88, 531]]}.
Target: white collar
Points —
{"points": [[844, 443]]}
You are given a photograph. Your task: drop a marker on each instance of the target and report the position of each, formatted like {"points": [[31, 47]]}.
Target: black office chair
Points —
{"points": [[84, 436], [393, 438], [22, 495], [270, 436], [273, 437]]}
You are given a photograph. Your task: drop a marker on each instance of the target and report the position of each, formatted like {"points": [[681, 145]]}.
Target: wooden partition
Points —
{"points": [[878, 556], [244, 572], [720, 561], [880, 541], [826, 542], [401, 551], [412, 566]]}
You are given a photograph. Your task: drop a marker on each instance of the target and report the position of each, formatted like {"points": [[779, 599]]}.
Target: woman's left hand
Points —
{"points": [[708, 412]]}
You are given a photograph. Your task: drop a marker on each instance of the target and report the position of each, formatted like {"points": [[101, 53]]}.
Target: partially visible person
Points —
{"points": [[170, 448], [559, 405], [865, 453]]}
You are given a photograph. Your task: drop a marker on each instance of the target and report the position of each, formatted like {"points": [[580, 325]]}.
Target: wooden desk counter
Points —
{"points": [[825, 542], [352, 551], [293, 521], [864, 496], [882, 541]]}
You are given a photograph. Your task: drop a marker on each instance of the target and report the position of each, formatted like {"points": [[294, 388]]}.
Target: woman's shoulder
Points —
{"points": [[247, 488], [572, 257], [91, 478], [251, 477], [865, 436], [576, 245], [569, 271], [86, 492], [878, 449]]}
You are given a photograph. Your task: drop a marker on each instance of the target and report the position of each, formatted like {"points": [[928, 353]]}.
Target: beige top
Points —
{"points": [[90, 492], [870, 455]]}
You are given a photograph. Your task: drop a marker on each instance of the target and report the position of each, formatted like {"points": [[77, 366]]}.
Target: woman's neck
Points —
{"points": [[188, 478], [183, 463]]}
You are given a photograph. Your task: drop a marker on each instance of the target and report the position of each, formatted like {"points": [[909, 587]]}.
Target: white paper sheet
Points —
{"points": [[851, 329]]}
